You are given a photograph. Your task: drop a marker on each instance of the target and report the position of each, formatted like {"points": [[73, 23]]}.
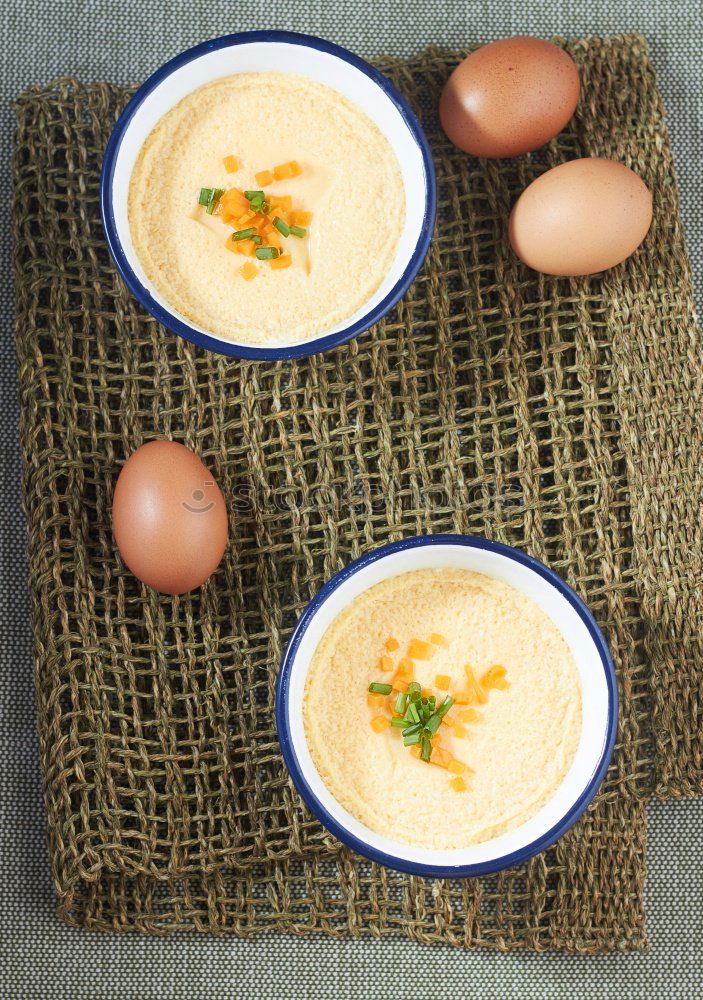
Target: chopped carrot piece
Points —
{"points": [[405, 668], [448, 720], [464, 697], [400, 685], [299, 218], [442, 681], [420, 650], [248, 270], [286, 170], [231, 164], [479, 694], [247, 247], [458, 784], [426, 692], [243, 219], [385, 663], [470, 715], [284, 202], [416, 751], [234, 200], [438, 640], [391, 645], [379, 723], [264, 177], [495, 678], [460, 732], [372, 700], [278, 263], [231, 245], [440, 756], [457, 767]]}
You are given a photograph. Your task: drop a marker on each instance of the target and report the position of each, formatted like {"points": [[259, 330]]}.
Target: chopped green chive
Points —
{"points": [[400, 703], [412, 713], [411, 730], [398, 723], [373, 688], [297, 231], [215, 195], [253, 194], [204, 196], [410, 741], [426, 748], [445, 706], [433, 723], [244, 234], [281, 226], [270, 253]]}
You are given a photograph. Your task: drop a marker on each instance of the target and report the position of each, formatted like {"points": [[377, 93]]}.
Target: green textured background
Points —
{"points": [[41, 958]]}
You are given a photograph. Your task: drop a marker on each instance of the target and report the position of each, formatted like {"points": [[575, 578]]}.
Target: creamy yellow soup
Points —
{"points": [[349, 180], [512, 755]]}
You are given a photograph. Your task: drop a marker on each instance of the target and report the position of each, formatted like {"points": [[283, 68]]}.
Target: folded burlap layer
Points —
{"points": [[556, 415]]}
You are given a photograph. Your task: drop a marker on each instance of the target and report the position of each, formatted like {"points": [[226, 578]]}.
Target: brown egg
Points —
{"points": [[168, 517], [581, 217], [509, 97]]}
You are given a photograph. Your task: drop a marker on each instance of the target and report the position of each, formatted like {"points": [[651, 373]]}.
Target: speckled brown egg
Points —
{"points": [[581, 217], [509, 97], [168, 517]]}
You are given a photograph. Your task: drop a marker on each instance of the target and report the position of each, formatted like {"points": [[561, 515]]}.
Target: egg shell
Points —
{"points": [[168, 517], [581, 217], [509, 97]]}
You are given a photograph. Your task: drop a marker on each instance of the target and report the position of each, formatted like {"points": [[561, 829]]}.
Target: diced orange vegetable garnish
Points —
{"points": [[264, 177], [234, 200], [457, 767], [405, 668], [464, 697], [372, 700], [248, 270], [495, 678], [247, 247], [416, 750], [231, 164], [438, 640], [286, 170], [231, 245], [458, 784], [299, 218], [448, 720], [379, 723], [474, 687], [278, 263], [282, 201], [243, 219], [442, 681], [460, 732], [391, 645], [385, 663], [418, 649], [470, 715], [440, 756], [399, 684]]}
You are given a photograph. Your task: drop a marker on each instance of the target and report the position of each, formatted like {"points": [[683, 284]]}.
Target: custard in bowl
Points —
{"points": [[447, 706], [268, 195]]}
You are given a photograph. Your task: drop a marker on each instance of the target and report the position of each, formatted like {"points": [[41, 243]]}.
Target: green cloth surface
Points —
{"points": [[39, 957]]}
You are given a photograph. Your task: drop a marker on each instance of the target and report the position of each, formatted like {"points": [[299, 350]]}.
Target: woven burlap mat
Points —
{"points": [[562, 416]]}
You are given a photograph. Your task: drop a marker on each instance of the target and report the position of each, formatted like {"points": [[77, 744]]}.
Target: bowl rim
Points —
{"points": [[395, 861], [212, 343]]}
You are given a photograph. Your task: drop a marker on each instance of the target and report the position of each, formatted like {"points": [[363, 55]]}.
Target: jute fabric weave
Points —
{"points": [[557, 415]]}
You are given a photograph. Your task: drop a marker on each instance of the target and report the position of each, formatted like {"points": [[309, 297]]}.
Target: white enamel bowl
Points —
{"points": [[599, 699], [285, 52]]}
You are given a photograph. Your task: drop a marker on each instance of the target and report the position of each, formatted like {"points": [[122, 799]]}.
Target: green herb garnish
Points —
{"points": [[373, 688], [400, 703], [244, 234], [297, 231], [410, 741], [270, 253], [281, 226], [215, 196], [204, 196], [426, 748]]}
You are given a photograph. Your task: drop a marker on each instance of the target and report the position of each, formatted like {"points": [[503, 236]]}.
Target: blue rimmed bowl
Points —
{"points": [[279, 51], [598, 687]]}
